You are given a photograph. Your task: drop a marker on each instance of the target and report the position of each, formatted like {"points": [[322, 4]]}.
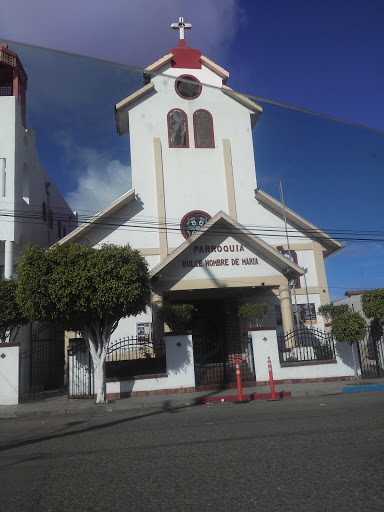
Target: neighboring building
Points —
{"points": [[196, 200], [353, 300], [32, 209]]}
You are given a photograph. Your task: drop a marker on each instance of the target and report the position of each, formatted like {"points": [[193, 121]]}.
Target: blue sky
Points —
{"points": [[323, 56]]}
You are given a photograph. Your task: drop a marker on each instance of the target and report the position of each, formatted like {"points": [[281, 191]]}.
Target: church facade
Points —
{"points": [[195, 208]]}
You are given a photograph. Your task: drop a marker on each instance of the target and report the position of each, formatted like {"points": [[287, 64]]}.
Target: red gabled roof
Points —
{"points": [[185, 57]]}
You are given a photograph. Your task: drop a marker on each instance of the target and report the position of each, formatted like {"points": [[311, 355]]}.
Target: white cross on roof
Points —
{"points": [[181, 26]]}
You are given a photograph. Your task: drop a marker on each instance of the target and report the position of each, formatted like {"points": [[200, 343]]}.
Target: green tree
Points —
{"points": [[255, 313], [86, 290], [372, 302], [351, 328], [11, 317], [330, 311]]}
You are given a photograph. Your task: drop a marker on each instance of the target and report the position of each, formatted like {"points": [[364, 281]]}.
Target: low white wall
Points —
{"points": [[9, 374], [180, 369], [265, 345]]}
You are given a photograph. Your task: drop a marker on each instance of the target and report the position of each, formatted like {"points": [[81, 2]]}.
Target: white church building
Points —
{"points": [[194, 212], [32, 209]]}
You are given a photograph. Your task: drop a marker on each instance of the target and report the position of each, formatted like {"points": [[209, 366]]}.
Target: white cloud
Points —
{"points": [[100, 180]]}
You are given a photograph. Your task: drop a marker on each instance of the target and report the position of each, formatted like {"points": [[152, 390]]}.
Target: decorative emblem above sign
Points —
{"points": [[192, 222]]}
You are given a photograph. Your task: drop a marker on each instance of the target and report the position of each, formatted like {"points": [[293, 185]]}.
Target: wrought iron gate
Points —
{"points": [[42, 364], [215, 360], [371, 353]]}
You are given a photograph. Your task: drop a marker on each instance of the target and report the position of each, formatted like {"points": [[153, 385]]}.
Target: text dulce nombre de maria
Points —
{"points": [[221, 261]]}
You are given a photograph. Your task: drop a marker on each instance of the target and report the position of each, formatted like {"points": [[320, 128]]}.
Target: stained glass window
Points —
{"points": [[178, 129], [203, 127]]}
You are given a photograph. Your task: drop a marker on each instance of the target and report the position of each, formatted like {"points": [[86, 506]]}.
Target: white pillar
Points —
{"points": [[2, 177], [8, 260], [286, 311]]}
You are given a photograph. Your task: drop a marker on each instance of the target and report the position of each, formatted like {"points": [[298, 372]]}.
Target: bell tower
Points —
{"points": [[13, 78]]}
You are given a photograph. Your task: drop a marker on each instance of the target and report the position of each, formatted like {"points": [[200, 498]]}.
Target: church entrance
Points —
{"points": [[217, 343]]}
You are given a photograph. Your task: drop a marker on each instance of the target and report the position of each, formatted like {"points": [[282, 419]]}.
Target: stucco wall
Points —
{"points": [[265, 345], [9, 374]]}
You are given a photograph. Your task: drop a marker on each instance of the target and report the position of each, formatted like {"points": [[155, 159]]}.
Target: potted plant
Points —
{"points": [[178, 317], [254, 313]]}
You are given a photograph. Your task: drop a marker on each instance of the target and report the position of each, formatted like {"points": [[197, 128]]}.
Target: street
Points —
{"points": [[304, 454]]}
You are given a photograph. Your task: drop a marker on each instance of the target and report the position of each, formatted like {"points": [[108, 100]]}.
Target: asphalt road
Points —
{"points": [[314, 454]]}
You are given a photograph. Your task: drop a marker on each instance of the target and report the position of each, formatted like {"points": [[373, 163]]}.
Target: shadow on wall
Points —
{"points": [[344, 352], [179, 350]]}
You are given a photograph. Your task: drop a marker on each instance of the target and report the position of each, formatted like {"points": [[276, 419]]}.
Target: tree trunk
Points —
{"points": [[99, 380], [354, 362], [97, 341]]}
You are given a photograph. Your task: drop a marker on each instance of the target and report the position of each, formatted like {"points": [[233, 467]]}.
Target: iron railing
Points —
{"points": [[306, 344], [371, 353], [215, 360], [126, 358], [129, 357]]}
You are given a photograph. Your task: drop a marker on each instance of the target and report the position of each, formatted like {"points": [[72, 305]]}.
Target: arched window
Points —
{"points": [[64, 231], [59, 229], [292, 257], [178, 129], [203, 128], [44, 211]]}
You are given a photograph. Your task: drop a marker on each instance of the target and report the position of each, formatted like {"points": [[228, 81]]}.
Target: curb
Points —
{"points": [[360, 389], [93, 410], [251, 397]]}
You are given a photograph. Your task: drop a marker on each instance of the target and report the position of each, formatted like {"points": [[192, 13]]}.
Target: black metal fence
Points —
{"points": [[306, 344], [126, 358], [371, 353], [129, 357], [42, 363], [215, 360]]}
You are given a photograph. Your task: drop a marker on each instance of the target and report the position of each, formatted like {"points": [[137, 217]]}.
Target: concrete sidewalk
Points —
{"points": [[62, 406]]}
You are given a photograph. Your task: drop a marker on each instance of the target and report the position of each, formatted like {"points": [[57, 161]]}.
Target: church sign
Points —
{"points": [[219, 257], [219, 260]]}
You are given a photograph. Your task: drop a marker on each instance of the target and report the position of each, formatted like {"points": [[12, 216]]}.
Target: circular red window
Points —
{"points": [[188, 87], [192, 222]]}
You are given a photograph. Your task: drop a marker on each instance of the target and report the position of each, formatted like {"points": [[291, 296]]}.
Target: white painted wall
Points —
{"points": [[180, 369], [265, 345], [9, 374]]}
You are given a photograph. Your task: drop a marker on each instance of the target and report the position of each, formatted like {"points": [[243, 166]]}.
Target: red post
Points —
{"points": [[273, 394], [238, 378]]}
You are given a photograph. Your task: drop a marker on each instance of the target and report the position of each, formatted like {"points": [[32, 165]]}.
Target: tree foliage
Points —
{"points": [[11, 317], [78, 286], [372, 302], [350, 327], [177, 316], [84, 289], [330, 311], [254, 312]]}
